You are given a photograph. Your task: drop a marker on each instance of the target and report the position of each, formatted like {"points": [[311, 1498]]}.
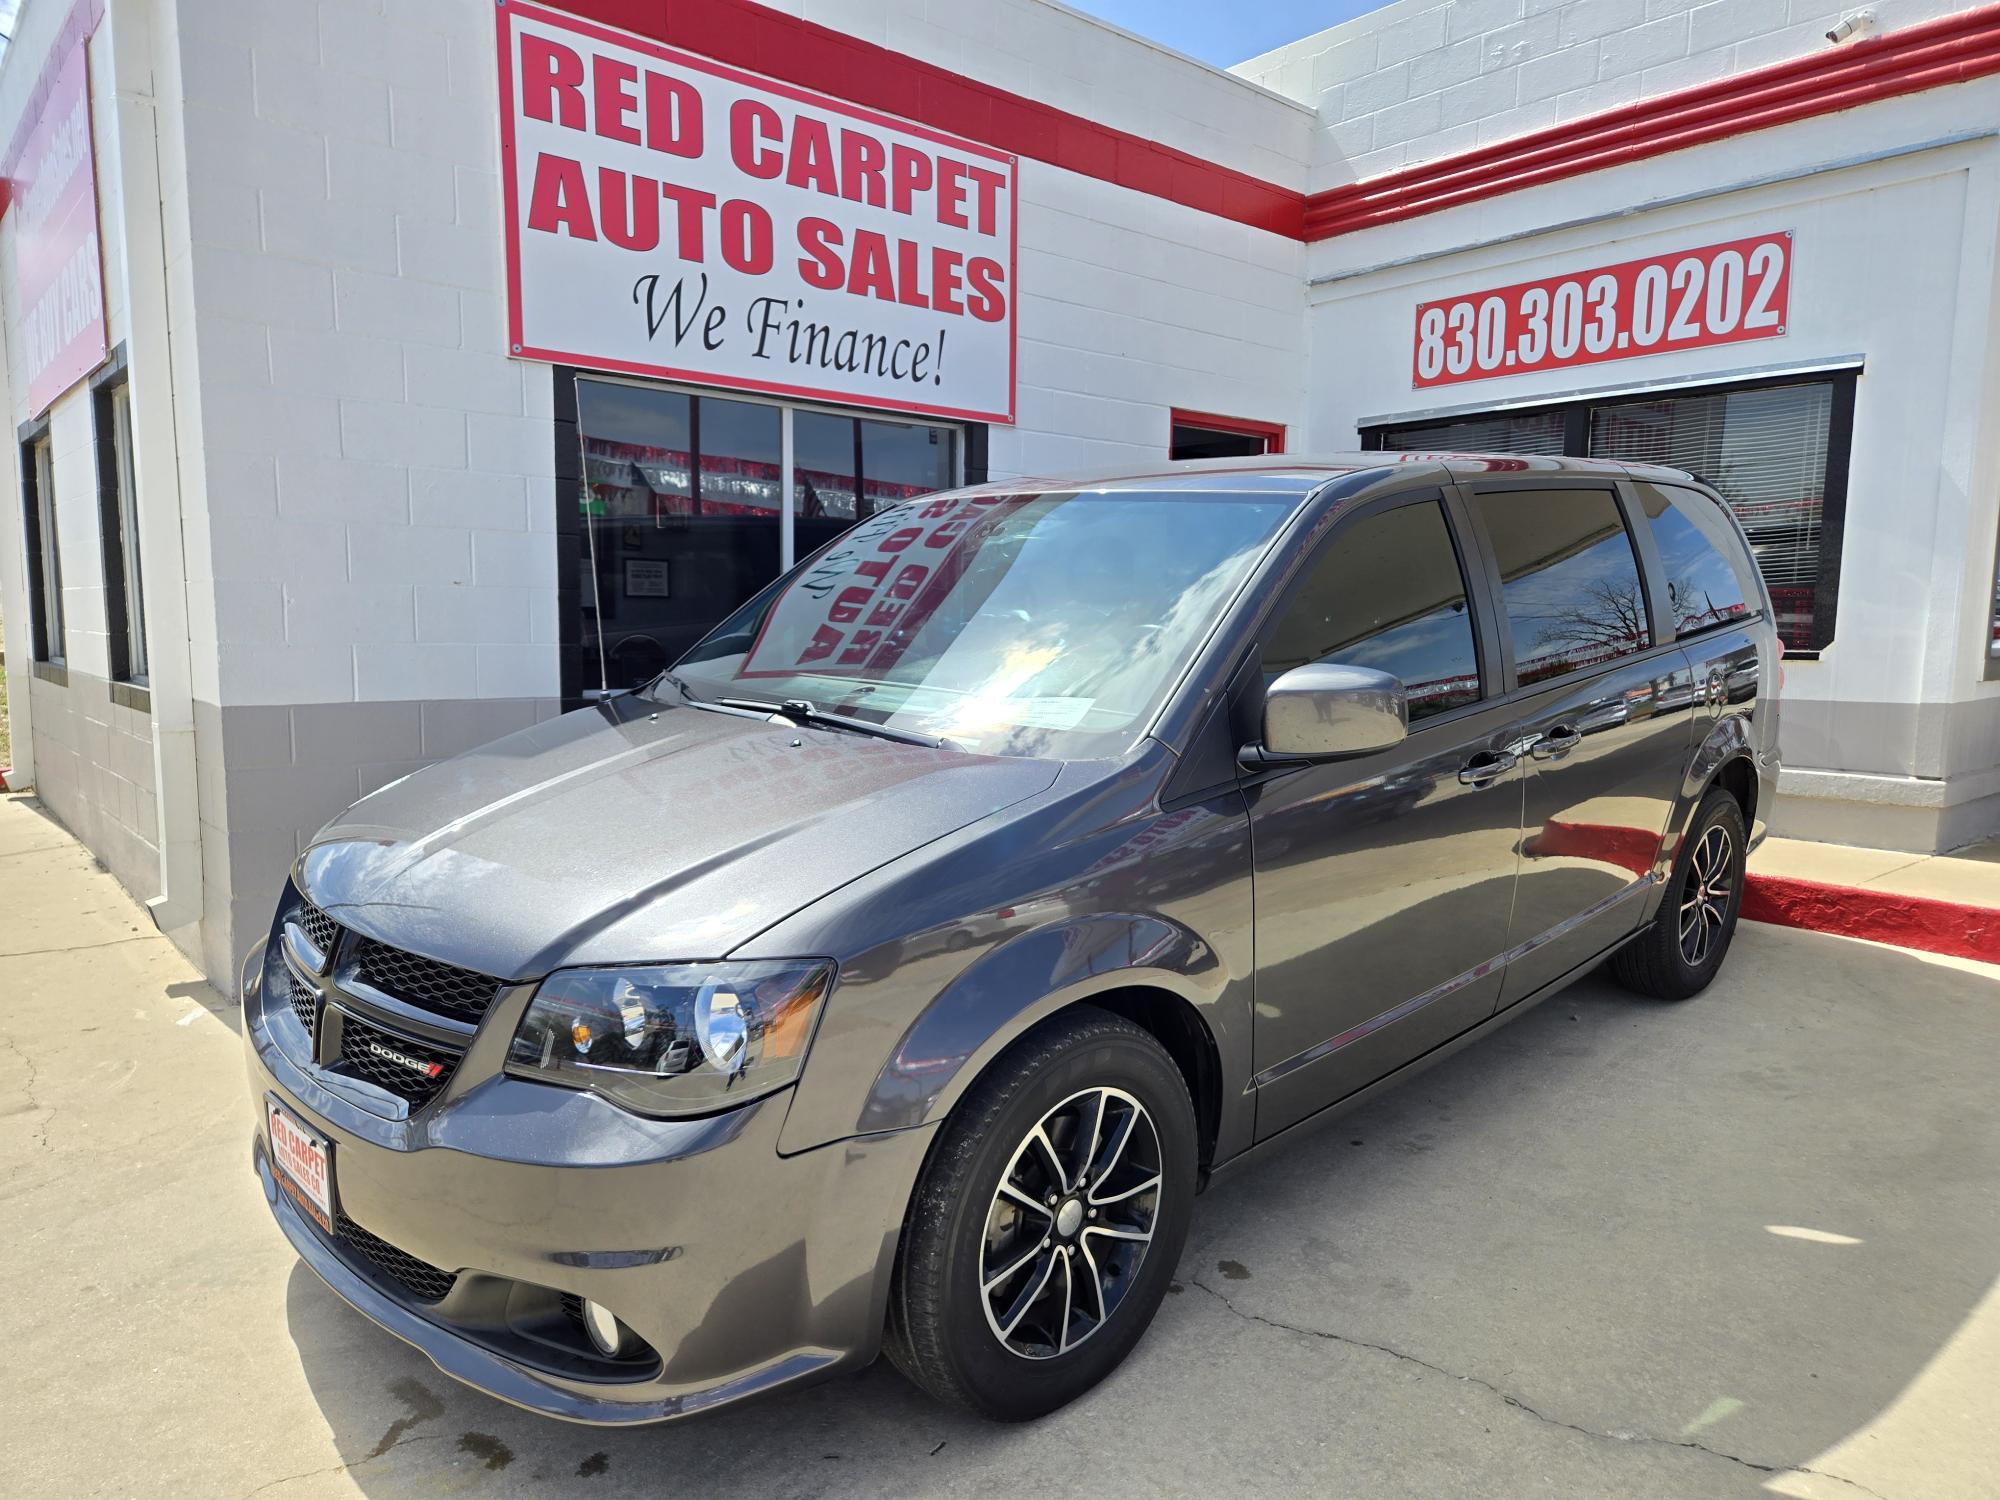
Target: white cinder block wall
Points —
{"points": [[1426, 78], [91, 757]]}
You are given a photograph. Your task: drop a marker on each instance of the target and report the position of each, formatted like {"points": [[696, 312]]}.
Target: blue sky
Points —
{"points": [[1225, 33]]}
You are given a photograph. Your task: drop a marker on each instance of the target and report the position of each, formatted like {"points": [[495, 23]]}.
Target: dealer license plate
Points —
{"points": [[304, 1161]]}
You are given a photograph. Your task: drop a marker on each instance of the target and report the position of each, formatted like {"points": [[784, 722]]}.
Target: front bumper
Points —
{"points": [[742, 1270]]}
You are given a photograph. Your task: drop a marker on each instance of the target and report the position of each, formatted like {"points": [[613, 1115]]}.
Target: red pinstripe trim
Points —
{"points": [[1954, 49], [1881, 916], [762, 40]]}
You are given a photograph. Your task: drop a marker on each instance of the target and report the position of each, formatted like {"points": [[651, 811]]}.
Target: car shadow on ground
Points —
{"points": [[1625, 1247]]}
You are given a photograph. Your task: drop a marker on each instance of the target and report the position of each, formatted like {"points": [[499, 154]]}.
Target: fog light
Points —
{"points": [[605, 1331]]}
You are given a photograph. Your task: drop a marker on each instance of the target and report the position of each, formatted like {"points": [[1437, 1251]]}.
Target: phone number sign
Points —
{"points": [[1729, 293]]}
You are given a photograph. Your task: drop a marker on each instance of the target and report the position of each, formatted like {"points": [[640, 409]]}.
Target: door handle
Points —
{"points": [[1486, 765], [1558, 741]]}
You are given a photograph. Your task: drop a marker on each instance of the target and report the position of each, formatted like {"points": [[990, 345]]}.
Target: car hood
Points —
{"points": [[635, 832]]}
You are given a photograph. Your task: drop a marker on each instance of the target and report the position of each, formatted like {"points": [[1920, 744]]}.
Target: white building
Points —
{"points": [[367, 426]]}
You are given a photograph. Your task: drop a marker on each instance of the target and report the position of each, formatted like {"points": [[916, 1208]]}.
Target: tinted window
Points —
{"points": [[1570, 582], [1765, 452], [1705, 586], [1776, 454], [1388, 594]]}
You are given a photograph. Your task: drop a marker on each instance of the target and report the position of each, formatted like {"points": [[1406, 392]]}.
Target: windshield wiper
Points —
{"points": [[802, 712]]}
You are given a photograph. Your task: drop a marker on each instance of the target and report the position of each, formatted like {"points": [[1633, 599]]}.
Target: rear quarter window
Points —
{"points": [[1709, 579]]}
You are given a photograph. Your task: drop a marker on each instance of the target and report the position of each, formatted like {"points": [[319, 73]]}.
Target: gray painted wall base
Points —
{"points": [[94, 771], [271, 775]]}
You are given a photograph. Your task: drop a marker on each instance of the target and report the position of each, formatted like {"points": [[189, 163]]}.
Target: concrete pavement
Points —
{"points": [[1744, 1246]]}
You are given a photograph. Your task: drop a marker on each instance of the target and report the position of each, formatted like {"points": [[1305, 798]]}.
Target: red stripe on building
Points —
{"points": [[762, 40], [1953, 49]]}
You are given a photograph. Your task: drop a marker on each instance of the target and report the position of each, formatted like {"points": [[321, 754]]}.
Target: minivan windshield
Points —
{"points": [[1011, 624]]}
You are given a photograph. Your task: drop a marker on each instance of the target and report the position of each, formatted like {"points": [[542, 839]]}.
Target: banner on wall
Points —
{"points": [[667, 215], [51, 179]]}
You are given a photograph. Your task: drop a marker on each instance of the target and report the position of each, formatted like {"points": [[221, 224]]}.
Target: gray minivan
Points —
{"points": [[894, 971]]}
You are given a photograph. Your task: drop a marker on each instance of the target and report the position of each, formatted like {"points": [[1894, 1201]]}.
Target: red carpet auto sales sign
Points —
{"points": [[51, 186], [667, 215]]}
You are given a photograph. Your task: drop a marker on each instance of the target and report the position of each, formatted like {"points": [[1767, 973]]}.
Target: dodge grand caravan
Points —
{"points": [[892, 972]]}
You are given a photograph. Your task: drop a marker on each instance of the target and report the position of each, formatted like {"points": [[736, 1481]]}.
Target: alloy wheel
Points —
{"points": [[1070, 1223], [1705, 895]]}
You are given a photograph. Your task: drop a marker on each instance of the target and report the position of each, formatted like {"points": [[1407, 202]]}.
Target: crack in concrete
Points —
{"points": [[28, 1092], [34, 849], [139, 937], [1522, 1406], [342, 1468]]}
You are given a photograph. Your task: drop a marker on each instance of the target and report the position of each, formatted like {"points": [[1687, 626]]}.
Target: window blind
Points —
{"points": [[1531, 432], [1764, 451]]}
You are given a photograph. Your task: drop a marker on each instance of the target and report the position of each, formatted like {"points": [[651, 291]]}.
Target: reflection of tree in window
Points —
{"points": [[1703, 587], [1569, 579]]}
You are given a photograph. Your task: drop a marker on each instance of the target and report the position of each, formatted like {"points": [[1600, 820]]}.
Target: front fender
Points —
{"points": [[1022, 981], [946, 963], [1017, 985]]}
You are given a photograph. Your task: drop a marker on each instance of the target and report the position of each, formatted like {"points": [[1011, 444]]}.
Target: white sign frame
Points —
{"points": [[935, 345]]}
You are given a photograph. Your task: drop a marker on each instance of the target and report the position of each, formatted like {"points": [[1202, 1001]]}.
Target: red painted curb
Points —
{"points": [[1880, 916]]}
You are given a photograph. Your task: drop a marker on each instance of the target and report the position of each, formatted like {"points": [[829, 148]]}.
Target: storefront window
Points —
{"points": [[1776, 452], [1198, 434], [682, 508], [825, 464], [900, 462], [45, 586], [1765, 453], [1993, 625], [1531, 432]]}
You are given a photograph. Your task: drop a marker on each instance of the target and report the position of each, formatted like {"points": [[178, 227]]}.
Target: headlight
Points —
{"points": [[677, 1039]]}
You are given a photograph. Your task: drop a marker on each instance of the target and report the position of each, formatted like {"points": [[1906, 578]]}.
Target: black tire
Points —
{"points": [[1671, 961], [941, 1333]]}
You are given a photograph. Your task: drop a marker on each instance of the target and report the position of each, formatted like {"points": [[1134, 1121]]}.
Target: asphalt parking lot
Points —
{"points": [[1747, 1245]]}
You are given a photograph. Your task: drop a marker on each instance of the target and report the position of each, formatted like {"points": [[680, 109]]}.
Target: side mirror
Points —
{"points": [[1323, 710]]}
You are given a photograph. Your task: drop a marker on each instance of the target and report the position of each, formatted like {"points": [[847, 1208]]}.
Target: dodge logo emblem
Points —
{"points": [[404, 1060]]}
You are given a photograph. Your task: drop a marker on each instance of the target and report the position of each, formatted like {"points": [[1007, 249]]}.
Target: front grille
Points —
{"points": [[414, 1071], [419, 1278], [301, 999], [424, 982], [320, 930]]}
